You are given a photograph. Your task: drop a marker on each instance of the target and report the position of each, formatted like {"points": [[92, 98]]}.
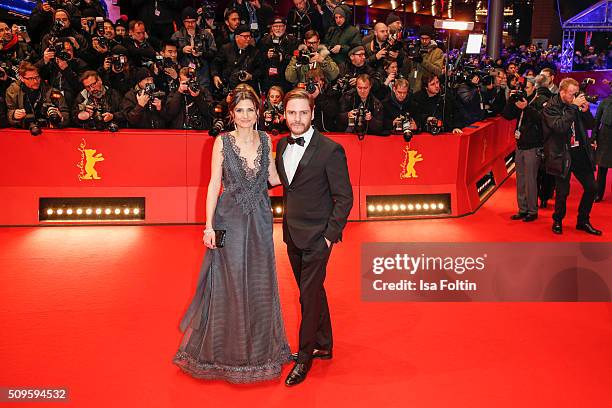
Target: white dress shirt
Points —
{"points": [[293, 153]]}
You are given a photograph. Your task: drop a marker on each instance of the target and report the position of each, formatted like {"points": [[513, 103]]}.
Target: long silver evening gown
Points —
{"points": [[233, 329]]}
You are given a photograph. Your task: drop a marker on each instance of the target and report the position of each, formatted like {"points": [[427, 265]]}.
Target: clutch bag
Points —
{"points": [[219, 238]]}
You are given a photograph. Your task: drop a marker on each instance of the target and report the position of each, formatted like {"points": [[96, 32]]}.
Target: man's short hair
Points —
{"points": [[566, 82], [26, 66], [549, 71], [311, 33], [401, 83], [364, 78], [229, 12], [298, 93], [88, 74], [426, 79], [134, 23], [541, 81], [168, 43]]}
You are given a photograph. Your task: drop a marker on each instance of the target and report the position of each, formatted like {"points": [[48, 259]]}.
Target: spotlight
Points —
{"points": [[107, 211], [98, 211], [126, 211], [49, 211], [89, 211], [418, 207], [117, 211], [279, 210], [371, 208], [410, 207], [395, 207], [136, 211], [403, 207], [79, 211], [69, 211], [387, 207], [426, 206], [60, 211]]}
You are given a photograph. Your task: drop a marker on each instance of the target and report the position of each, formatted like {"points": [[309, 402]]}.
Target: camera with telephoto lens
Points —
{"points": [[242, 75], [343, 84], [150, 90], [60, 51], [583, 87], [192, 83], [404, 126], [433, 125], [98, 119], [51, 109], [118, 61], [277, 55], [34, 124], [9, 69], [358, 124], [518, 95], [465, 74], [274, 112], [164, 62], [414, 49], [393, 47], [302, 57], [218, 123]]}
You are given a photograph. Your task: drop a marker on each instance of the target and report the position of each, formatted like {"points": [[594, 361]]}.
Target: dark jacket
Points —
{"points": [[67, 80], [139, 117], [230, 60], [326, 112], [320, 197], [177, 104], [347, 36], [602, 133], [110, 102], [530, 128], [394, 108], [426, 106], [350, 101], [469, 100], [273, 70], [298, 23], [557, 124], [15, 99]]}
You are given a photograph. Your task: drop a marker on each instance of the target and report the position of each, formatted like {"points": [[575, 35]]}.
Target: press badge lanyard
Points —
{"points": [[517, 132]]}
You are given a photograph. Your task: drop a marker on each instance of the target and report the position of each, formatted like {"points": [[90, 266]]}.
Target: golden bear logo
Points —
{"points": [[89, 158], [411, 158]]}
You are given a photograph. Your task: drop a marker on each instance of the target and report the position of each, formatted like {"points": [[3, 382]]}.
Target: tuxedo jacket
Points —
{"points": [[320, 197]]}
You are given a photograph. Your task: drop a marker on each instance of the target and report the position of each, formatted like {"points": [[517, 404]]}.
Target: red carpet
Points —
{"points": [[96, 309]]}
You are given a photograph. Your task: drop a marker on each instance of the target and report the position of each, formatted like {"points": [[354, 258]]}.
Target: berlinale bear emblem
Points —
{"points": [[89, 158], [411, 158]]}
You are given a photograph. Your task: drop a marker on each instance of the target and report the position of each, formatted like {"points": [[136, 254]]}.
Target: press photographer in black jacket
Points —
{"points": [[431, 107], [568, 151], [526, 106], [189, 106], [97, 106]]}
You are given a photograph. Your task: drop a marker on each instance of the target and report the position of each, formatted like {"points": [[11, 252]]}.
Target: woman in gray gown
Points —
{"points": [[233, 329]]}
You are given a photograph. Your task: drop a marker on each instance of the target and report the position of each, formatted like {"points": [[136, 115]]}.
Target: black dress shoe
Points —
{"points": [[557, 228], [588, 228], [320, 354], [598, 199], [518, 216], [543, 204], [298, 373], [530, 217]]}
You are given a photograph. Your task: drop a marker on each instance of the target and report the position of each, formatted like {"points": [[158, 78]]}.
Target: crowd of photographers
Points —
{"points": [[168, 66]]}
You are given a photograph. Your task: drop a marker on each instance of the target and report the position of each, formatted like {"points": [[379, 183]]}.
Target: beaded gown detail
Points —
{"points": [[233, 329]]}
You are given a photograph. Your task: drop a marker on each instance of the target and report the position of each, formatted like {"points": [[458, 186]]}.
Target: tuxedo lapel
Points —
{"points": [[308, 154], [280, 149]]}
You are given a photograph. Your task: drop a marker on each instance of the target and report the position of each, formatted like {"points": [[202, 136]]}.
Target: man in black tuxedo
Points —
{"points": [[317, 200]]}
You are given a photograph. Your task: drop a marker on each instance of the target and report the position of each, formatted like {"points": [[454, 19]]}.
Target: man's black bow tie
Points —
{"points": [[299, 140]]}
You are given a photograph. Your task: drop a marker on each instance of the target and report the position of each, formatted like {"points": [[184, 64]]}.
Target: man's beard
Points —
{"points": [[299, 124]]}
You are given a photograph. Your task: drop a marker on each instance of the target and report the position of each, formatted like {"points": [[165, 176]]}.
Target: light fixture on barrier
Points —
{"points": [[408, 205], [91, 209], [276, 207], [450, 24]]}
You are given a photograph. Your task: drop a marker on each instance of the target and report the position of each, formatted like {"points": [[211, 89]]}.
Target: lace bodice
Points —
{"points": [[248, 185]]}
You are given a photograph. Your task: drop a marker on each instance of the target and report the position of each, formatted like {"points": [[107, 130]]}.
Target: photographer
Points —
{"points": [[237, 62], [342, 37], [256, 14], [602, 135], [398, 108], [102, 41], [189, 106], [347, 77], [61, 69], [493, 96], [196, 46], [97, 106], [30, 101], [142, 105], [226, 33], [117, 71], [12, 50], [546, 182], [277, 47], [360, 111], [431, 108], [390, 73], [61, 28], [302, 18], [568, 150], [425, 58], [383, 47], [526, 106], [166, 68], [140, 47], [326, 108], [273, 118], [309, 56], [470, 101]]}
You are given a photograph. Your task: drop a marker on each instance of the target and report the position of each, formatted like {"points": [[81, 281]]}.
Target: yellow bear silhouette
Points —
{"points": [[412, 159], [91, 160]]}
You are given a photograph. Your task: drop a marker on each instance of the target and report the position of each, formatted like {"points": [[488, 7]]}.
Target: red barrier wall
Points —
{"points": [[171, 168]]}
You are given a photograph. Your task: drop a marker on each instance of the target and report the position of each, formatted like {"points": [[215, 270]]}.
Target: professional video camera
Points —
{"points": [[218, 123], [414, 49], [583, 87], [359, 123], [434, 125], [404, 127], [465, 73], [150, 90], [60, 51]]}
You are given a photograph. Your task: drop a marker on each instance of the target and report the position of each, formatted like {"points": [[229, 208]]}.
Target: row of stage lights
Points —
{"points": [[91, 211], [403, 207]]}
